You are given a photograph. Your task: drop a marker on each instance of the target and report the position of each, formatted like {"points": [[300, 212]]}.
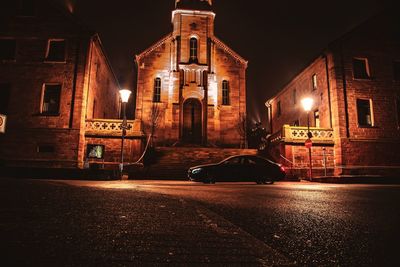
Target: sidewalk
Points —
{"points": [[357, 179]]}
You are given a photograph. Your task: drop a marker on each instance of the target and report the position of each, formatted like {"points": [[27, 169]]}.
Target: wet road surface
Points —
{"points": [[185, 223]]}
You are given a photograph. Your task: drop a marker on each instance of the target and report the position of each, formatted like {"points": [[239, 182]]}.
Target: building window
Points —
{"points": [[45, 148], [294, 97], [279, 110], [7, 49], [314, 82], [396, 70], [316, 119], [157, 90], [225, 93], [361, 68], [26, 8], [364, 112], [51, 99], [5, 90], [193, 49], [55, 51], [95, 151]]}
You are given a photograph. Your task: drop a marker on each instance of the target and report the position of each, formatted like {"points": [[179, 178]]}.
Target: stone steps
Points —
{"points": [[172, 163]]}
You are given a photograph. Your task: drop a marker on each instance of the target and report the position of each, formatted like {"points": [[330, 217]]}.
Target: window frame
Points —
{"points": [[317, 118], [193, 50], [157, 90], [48, 51], [367, 68], [314, 82], [371, 113], [48, 113], [226, 101]]}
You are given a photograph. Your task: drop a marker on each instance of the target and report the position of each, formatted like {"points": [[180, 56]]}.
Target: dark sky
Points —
{"points": [[278, 38]]}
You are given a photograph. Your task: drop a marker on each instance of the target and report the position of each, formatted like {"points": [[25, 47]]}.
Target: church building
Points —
{"points": [[191, 87]]}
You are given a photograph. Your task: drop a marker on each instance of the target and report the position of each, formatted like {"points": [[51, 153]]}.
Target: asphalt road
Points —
{"points": [[184, 223]]}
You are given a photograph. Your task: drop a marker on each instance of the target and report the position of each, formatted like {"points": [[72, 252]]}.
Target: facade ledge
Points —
{"points": [[113, 128], [298, 135]]}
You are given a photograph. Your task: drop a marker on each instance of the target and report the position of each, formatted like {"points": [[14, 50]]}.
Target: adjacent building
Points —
{"points": [[57, 89], [191, 87], [355, 120]]}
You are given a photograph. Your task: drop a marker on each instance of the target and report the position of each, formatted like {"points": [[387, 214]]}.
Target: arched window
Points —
{"points": [[225, 92], [193, 49], [157, 90]]}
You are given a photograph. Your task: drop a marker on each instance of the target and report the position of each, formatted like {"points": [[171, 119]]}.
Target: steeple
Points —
{"points": [[193, 4]]}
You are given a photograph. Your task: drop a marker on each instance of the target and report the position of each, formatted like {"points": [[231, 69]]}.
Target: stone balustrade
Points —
{"points": [[298, 134], [109, 128]]}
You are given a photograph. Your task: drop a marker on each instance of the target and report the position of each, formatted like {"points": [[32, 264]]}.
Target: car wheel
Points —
{"points": [[268, 181], [259, 181], [210, 179]]}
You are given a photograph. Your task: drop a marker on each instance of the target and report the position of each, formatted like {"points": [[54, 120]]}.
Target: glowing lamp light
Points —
{"points": [[125, 94], [307, 103]]}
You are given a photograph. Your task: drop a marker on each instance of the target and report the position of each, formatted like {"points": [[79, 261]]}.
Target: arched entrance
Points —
{"points": [[192, 121]]}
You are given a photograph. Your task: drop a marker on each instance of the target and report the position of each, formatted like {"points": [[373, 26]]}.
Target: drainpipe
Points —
{"points": [[329, 89], [344, 91], [71, 116]]}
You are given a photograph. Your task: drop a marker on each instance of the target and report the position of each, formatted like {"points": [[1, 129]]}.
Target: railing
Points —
{"points": [[298, 134], [105, 127]]}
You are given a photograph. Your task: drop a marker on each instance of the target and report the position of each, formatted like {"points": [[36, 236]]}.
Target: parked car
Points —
{"points": [[238, 168]]}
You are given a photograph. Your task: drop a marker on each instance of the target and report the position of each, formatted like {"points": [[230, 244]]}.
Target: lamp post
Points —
{"points": [[307, 104], [124, 94]]}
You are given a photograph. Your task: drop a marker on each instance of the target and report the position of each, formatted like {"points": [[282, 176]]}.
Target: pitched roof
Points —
{"points": [[154, 46], [227, 49]]}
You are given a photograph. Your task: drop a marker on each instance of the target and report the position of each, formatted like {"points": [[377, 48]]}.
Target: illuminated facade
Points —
{"points": [[355, 120], [190, 85], [56, 88]]}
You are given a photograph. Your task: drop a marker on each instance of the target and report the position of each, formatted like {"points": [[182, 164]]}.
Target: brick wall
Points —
{"points": [[161, 61], [61, 136]]}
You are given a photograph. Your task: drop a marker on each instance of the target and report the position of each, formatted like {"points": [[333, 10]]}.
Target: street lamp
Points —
{"points": [[307, 104], [124, 94]]}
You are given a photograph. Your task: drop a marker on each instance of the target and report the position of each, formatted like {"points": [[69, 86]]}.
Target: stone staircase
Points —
{"points": [[172, 163]]}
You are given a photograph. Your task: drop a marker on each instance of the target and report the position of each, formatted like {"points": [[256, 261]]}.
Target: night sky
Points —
{"points": [[278, 38]]}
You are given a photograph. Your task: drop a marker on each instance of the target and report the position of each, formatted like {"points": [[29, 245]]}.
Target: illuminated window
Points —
{"points": [[95, 151], [193, 49], [225, 92], [364, 112], [5, 90], [279, 109], [314, 82], [7, 49], [396, 70], [55, 51], [51, 99], [361, 68], [26, 8], [157, 90], [316, 119]]}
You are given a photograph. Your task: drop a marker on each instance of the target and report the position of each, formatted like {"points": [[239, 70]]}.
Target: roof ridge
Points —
{"points": [[154, 46], [229, 50]]}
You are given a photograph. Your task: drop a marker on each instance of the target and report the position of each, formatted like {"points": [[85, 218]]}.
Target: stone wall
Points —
{"points": [[32, 138]]}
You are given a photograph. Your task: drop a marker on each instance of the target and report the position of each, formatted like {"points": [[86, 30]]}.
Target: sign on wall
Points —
{"points": [[3, 119]]}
